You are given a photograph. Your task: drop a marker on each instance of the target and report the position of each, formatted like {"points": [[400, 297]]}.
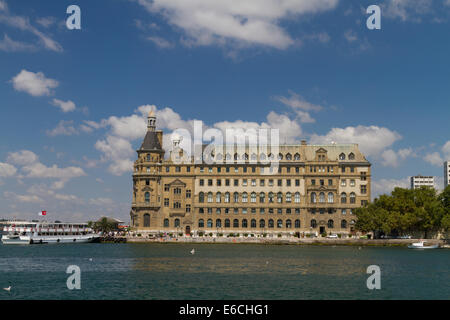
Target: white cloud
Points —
{"points": [[434, 158], [300, 106], [46, 21], [23, 24], [64, 128], [23, 157], [65, 106], [7, 170], [246, 22], [446, 148], [118, 151], [35, 84], [392, 158], [161, 42], [9, 45], [372, 140], [350, 36], [406, 10], [386, 186], [22, 198]]}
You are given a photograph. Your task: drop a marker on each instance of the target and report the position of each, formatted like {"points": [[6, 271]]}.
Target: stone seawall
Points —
{"points": [[314, 241]]}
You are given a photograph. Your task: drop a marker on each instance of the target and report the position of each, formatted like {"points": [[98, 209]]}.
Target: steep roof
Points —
{"points": [[151, 141]]}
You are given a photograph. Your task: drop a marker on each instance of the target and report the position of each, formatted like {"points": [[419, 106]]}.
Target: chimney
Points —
{"points": [[304, 143]]}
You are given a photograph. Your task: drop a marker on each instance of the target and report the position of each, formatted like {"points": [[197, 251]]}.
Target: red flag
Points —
{"points": [[43, 213]]}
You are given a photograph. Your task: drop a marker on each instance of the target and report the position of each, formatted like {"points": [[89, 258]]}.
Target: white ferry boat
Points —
{"points": [[25, 232]]}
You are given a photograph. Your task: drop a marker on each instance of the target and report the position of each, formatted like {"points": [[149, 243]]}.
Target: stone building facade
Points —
{"points": [[313, 189]]}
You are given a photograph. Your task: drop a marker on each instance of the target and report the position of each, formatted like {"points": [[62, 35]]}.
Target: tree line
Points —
{"points": [[405, 211]]}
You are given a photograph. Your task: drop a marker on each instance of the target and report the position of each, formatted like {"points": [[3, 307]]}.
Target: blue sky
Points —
{"points": [[73, 102]]}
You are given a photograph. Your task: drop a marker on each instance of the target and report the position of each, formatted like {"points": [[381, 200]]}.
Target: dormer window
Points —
{"points": [[342, 156], [351, 156]]}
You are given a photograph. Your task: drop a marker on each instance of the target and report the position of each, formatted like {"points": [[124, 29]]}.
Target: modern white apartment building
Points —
{"points": [[422, 181], [446, 173]]}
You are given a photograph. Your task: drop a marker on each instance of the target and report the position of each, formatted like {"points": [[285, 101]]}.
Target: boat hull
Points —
{"points": [[436, 246], [51, 239]]}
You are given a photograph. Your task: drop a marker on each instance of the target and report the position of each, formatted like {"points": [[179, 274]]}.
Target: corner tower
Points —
{"points": [[146, 201]]}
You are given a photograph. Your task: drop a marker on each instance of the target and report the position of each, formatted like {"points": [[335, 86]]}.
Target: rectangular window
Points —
{"points": [[352, 183], [280, 182], [297, 210], [261, 182], [147, 182], [270, 182], [177, 169], [288, 169], [219, 182], [210, 182], [262, 210], [166, 202], [244, 182], [210, 169], [253, 182], [297, 182], [227, 169], [322, 182], [288, 182], [245, 169], [236, 182], [188, 194], [363, 189], [313, 182], [343, 183], [202, 182], [167, 169], [188, 208], [166, 188], [219, 169], [236, 169], [188, 169], [202, 169], [330, 182], [227, 182], [253, 169]]}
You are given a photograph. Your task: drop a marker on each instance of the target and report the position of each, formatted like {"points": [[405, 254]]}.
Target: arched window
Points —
{"points": [[227, 223], [296, 157], [201, 223], [313, 197], [245, 197], [313, 223], [253, 223], [262, 197], [351, 156], [271, 196], [210, 223], [254, 156], [236, 197], [245, 156], [219, 156], [271, 156], [330, 224], [321, 197], [262, 156], [288, 223], [262, 223], [288, 156], [297, 223], [244, 223], [218, 223], [146, 220], [297, 197], [218, 197], [270, 223], [147, 197], [280, 156], [210, 197], [344, 224], [288, 197], [166, 223], [330, 197], [279, 197], [343, 197], [227, 197], [228, 156], [177, 223], [342, 156], [352, 197], [253, 197], [235, 223], [201, 197], [279, 223], [148, 157], [236, 156]]}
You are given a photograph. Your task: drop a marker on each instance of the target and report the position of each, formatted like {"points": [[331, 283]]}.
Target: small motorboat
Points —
{"points": [[422, 245]]}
